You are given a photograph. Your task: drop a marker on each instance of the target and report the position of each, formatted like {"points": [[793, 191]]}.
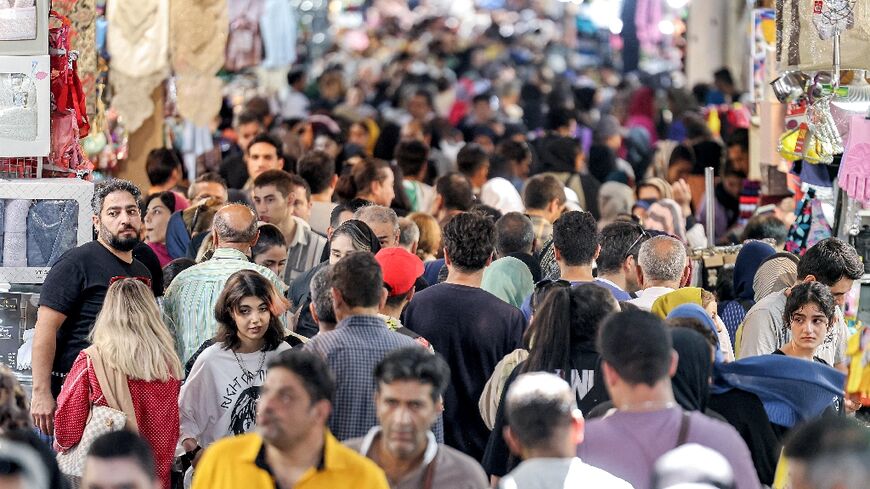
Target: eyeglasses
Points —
{"points": [[642, 237], [543, 286], [144, 280]]}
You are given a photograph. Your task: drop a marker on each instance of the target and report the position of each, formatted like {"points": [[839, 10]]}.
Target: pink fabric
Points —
{"points": [[155, 404], [162, 253], [181, 203]]}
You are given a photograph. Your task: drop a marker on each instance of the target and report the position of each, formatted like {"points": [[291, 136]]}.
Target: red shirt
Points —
{"points": [[155, 404]]}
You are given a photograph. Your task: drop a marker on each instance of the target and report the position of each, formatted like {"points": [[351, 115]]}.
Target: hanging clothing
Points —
{"points": [[278, 29], [244, 47]]}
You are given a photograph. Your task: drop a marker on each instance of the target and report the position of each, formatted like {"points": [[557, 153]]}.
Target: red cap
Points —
{"points": [[401, 269]]}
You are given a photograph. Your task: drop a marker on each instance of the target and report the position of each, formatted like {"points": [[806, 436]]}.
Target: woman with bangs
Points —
{"points": [[220, 394]]}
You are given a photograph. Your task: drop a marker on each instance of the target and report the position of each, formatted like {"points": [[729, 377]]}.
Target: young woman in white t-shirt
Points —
{"points": [[218, 398]]}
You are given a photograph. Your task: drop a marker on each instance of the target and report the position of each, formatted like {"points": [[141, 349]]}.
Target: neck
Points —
{"points": [[459, 277], [369, 197], [566, 450], [396, 468], [393, 312], [301, 455], [616, 278], [247, 345], [798, 352], [579, 273], [542, 213], [125, 256], [671, 284], [325, 196], [243, 247], [288, 227], [156, 189], [644, 398], [341, 313]]}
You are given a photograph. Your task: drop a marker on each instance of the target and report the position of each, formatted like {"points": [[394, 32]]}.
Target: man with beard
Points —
{"points": [[74, 290]]}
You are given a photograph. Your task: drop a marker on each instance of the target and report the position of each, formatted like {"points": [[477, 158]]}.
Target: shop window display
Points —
{"points": [[17, 20]]}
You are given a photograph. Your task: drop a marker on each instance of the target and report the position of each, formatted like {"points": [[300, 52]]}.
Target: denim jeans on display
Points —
{"points": [[52, 226]]}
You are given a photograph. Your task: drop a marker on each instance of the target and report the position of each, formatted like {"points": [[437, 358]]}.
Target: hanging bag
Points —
{"points": [[118, 415]]}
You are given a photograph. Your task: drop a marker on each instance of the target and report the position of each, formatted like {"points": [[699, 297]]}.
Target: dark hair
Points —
{"points": [[575, 235], [809, 293], [125, 444], [540, 190], [160, 164], [455, 191], [480, 97], [697, 326], [682, 153], [299, 182], [279, 178], [311, 370], [166, 198], [835, 450], [559, 117], [416, 364], [538, 408], [512, 151], [362, 236], [468, 240], [360, 177], [294, 75], [411, 156], [765, 226], [739, 137], [637, 345], [829, 261], [486, 210], [514, 233], [270, 236], [359, 278], [335, 215], [321, 297], [173, 268], [248, 117], [248, 283], [618, 240], [567, 318], [723, 75], [471, 158], [425, 94], [317, 168], [265, 137], [102, 190]]}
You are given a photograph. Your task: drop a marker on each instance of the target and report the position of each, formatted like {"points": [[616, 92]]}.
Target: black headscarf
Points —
{"points": [[691, 383], [601, 162]]}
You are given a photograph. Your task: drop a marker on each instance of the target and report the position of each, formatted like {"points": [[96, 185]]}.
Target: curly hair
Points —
{"points": [[809, 293], [469, 240], [575, 235], [102, 190], [249, 283], [14, 407]]}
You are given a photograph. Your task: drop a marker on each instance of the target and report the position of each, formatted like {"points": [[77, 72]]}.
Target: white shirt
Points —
{"points": [[502, 195], [646, 297], [560, 473]]}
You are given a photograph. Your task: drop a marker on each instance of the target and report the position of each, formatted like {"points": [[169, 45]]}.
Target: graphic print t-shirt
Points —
{"points": [[218, 399]]}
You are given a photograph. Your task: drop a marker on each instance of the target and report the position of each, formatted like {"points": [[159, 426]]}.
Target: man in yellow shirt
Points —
{"points": [[292, 447]]}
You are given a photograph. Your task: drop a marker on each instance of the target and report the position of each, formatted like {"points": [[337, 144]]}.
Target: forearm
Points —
{"points": [[44, 348]]}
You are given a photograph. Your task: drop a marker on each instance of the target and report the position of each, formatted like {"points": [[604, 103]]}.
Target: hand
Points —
{"points": [[683, 196], [853, 403], [42, 408]]}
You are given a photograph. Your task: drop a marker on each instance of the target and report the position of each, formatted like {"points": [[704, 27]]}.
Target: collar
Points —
{"points": [[229, 254], [300, 237], [608, 282], [428, 455], [362, 321], [328, 460], [654, 291], [392, 323]]}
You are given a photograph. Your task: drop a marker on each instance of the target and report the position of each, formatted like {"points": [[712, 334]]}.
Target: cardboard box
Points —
{"points": [[49, 189]]}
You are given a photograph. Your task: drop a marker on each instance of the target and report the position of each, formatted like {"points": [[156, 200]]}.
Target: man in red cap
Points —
{"points": [[401, 270]]}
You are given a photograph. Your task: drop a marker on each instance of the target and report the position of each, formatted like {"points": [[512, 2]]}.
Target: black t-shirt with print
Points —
{"points": [[76, 286]]}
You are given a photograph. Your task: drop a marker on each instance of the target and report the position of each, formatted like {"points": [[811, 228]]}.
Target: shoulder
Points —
{"points": [[601, 478], [356, 465], [210, 354], [240, 447], [354, 444], [460, 462], [712, 432]]}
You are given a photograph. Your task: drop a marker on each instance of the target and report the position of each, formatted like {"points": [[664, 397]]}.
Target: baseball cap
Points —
{"points": [[400, 268]]}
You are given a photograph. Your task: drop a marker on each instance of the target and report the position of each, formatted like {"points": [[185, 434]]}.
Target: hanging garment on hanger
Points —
{"points": [[198, 97], [796, 242], [83, 18], [278, 29], [244, 46]]}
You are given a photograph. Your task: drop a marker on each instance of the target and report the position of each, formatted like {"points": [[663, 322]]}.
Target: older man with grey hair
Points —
{"points": [[321, 307], [189, 301], [664, 267], [409, 235], [383, 221]]}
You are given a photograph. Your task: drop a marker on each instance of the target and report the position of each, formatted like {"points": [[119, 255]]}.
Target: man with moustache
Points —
{"points": [[73, 292]]}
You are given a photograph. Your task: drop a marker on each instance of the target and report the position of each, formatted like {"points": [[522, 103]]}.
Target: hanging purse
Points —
{"points": [[118, 415]]}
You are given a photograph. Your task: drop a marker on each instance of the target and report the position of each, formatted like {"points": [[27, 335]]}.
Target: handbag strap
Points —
{"points": [[113, 383]]}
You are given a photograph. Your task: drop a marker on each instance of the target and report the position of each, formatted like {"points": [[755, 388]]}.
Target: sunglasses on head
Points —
{"points": [[543, 286], [642, 237], [144, 280]]}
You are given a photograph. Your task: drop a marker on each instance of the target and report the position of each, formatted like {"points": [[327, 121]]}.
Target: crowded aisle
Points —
{"points": [[516, 244]]}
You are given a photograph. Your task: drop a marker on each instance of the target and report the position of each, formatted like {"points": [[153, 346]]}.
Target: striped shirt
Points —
{"points": [[190, 299], [304, 251]]}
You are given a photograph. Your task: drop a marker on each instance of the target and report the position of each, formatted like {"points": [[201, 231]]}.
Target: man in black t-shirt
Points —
{"points": [[73, 292], [472, 328]]}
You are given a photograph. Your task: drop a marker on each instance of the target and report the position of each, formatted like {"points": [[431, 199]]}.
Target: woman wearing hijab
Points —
{"points": [[691, 382], [699, 304], [614, 200], [776, 272], [750, 258], [509, 279]]}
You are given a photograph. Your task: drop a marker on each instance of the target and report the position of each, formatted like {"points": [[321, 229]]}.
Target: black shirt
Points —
{"points": [[473, 330], [234, 171], [76, 286], [144, 254]]}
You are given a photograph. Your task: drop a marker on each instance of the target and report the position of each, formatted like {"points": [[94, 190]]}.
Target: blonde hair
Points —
{"points": [[430, 234], [131, 335]]}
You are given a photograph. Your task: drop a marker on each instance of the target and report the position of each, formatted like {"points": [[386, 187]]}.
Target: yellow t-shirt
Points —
{"points": [[240, 462]]}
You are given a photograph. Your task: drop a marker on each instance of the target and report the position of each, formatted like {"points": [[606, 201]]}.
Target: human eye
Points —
{"points": [[244, 310], [112, 214]]}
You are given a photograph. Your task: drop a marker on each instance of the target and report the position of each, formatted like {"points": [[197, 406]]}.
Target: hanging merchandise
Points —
{"points": [[278, 27], [82, 16], [244, 46], [24, 106], [198, 38], [856, 101], [854, 176], [138, 42], [798, 235], [805, 31], [66, 88]]}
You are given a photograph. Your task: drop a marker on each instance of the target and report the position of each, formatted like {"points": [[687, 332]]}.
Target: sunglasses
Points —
{"points": [[144, 280], [642, 237], [543, 286]]}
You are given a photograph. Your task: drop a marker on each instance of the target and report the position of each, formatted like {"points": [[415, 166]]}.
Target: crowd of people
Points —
{"points": [[438, 264]]}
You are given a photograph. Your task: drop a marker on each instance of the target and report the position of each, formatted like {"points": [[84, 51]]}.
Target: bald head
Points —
{"points": [[235, 223], [662, 259]]}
